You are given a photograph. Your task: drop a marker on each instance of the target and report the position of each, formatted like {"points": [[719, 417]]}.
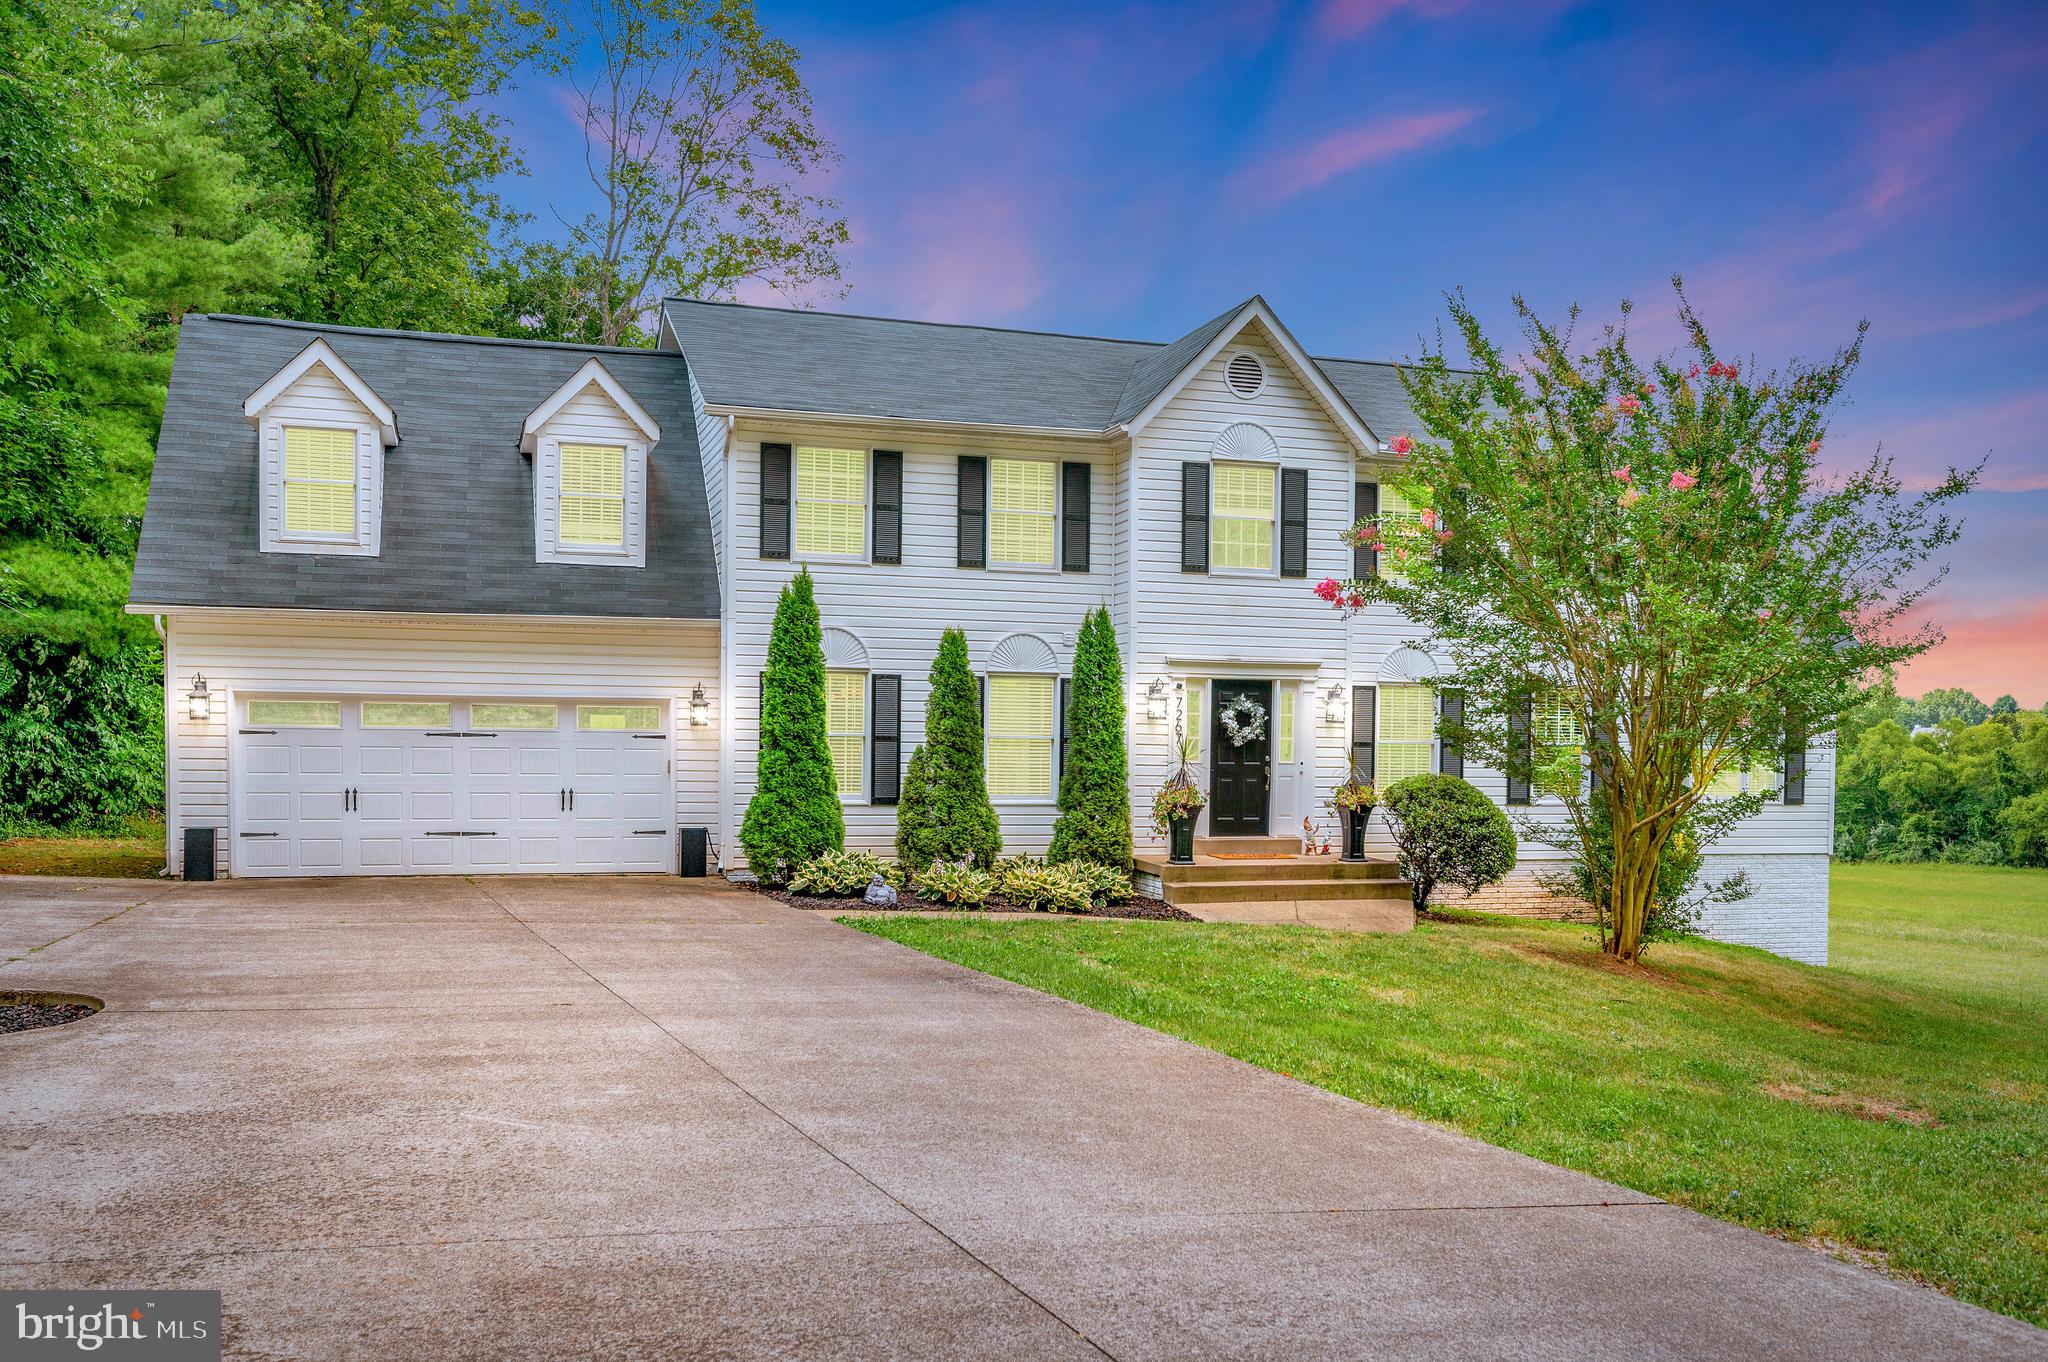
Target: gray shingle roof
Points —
{"points": [[781, 359], [457, 532]]}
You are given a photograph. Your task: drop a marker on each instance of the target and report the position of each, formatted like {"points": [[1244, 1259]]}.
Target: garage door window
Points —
{"points": [[296, 713], [407, 714], [513, 716], [619, 718]]}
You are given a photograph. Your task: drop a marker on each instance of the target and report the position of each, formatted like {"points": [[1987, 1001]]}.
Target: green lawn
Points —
{"points": [[136, 852], [1893, 1108]]}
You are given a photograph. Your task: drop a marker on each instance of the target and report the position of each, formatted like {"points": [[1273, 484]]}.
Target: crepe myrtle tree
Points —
{"points": [[1652, 552]]}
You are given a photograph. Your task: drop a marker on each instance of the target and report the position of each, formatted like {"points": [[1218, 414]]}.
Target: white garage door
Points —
{"points": [[430, 787]]}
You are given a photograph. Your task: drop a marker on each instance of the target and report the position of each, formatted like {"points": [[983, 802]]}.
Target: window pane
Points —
{"points": [[1406, 733], [1283, 730], [1197, 715], [1241, 517], [1020, 499], [831, 502], [593, 505], [1558, 737], [513, 716], [619, 718], [1728, 782], [1020, 539], [407, 714], [320, 508], [319, 481], [296, 713], [329, 455], [1020, 717], [846, 709]]}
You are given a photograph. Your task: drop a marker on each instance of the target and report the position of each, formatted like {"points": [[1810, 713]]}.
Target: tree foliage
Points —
{"points": [[1913, 786], [945, 813], [1095, 794], [1657, 546], [794, 814], [1447, 832]]}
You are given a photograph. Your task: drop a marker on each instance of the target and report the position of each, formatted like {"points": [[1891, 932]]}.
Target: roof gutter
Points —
{"points": [[783, 415]]}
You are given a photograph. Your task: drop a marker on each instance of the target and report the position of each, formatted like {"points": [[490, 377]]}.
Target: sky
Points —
{"points": [[1134, 169]]}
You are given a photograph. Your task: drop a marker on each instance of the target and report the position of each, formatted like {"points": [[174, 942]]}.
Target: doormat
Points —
{"points": [[1254, 855]]}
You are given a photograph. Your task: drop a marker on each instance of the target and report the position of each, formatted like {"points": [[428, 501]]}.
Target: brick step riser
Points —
{"points": [[1321, 891]]}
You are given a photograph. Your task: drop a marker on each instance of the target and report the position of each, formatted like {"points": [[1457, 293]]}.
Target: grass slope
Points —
{"points": [[1894, 1109], [136, 853]]}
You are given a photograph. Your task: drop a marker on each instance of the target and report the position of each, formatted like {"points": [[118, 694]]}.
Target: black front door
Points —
{"points": [[1239, 774]]}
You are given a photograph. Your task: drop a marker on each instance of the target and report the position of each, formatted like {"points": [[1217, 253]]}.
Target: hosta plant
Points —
{"points": [[839, 874], [960, 885]]}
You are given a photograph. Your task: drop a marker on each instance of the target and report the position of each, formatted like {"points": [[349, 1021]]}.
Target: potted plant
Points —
{"points": [[1173, 814], [1354, 801]]}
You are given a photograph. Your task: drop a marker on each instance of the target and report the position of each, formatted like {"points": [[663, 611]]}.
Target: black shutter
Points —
{"points": [[1450, 756], [973, 511], [1365, 505], [886, 740], [1294, 522], [1074, 512], [1194, 517], [1520, 712], [1364, 721], [775, 501], [888, 506], [1060, 757], [1795, 765]]}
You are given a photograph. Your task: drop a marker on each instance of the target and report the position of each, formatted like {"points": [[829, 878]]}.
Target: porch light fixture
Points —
{"points": [[700, 707], [199, 703], [1155, 699], [1333, 704]]}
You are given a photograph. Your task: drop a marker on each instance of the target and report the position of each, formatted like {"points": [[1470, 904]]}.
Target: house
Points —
{"points": [[439, 604]]}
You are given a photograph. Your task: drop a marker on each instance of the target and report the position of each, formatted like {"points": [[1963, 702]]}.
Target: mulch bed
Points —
{"points": [[30, 1016], [907, 901]]}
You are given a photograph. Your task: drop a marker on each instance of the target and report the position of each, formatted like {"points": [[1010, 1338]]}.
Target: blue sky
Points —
{"points": [[1134, 169]]}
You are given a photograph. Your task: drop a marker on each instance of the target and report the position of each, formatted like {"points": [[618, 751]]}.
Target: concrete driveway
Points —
{"points": [[644, 1118]]}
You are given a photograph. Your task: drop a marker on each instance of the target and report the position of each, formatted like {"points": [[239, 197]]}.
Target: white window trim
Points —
{"points": [[995, 564], [858, 796], [1272, 570], [988, 736], [547, 506], [366, 541], [867, 513]]}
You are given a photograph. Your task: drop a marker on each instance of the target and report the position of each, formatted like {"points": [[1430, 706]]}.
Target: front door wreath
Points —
{"points": [[1243, 720]]}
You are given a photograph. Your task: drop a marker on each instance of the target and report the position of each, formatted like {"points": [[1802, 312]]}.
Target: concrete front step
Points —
{"points": [[1209, 868], [1255, 891]]}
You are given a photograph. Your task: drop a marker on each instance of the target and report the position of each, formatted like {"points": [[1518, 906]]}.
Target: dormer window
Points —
{"points": [[321, 433], [590, 442]]}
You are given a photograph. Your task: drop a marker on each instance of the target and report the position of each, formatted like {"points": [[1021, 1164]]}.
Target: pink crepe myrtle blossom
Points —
{"points": [[1330, 589], [1629, 498], [1443, 536], [1629, 405], [1623, 474], [1764, 613], [1354, 600], [1693, 372], [1813, 446], [1429, 520], [1401, 444], [1649, 388], [1362, 537], [1682, 480]]}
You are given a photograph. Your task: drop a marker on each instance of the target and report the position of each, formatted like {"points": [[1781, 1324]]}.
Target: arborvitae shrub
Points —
{"points": [[794, 814], [1095, 801]]}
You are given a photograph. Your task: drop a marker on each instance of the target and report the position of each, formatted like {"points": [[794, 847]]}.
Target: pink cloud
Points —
{"points": [[1291, 173], [1342, 19], [1993, 655], [968, 254], [2009, 430]]}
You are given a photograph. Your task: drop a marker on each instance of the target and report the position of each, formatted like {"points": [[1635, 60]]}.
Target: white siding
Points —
{"points": [[311, 653], [898, 612]]}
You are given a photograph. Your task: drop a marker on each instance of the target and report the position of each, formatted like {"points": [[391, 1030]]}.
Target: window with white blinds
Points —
{"points": [[846, 732], [1021, 506], [1020, 736], [593, 506], [831, 502], [1559, 741], [1241, 517], [319, 483], [1283, 725], [1405, 743]]}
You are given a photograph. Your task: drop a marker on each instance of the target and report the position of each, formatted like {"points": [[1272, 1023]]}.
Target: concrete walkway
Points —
{"points": [[621, 1118]]}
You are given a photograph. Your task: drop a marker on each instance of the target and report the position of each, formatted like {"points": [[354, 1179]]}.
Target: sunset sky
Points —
{"points": [[1131, 170]]}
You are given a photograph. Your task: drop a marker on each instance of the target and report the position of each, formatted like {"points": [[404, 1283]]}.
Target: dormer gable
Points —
{"points": [[590, 442], [321, 433]]}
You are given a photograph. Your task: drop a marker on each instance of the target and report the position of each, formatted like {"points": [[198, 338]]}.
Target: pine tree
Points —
{"points": [[945, 814], [1095, 804], [794, 814]]}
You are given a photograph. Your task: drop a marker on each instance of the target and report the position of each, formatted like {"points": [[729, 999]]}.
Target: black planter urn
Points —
{"points": [[1354, 833], [1181, 841]]}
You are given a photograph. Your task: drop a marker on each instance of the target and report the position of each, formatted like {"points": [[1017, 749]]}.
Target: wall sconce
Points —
{"points": [[700, 707], [199, 704], [1333, 704], [1155, 699]]}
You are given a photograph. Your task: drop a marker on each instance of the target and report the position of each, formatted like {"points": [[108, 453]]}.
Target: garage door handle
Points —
{"points": [[258, 834], [267, 732], [650, 832]]}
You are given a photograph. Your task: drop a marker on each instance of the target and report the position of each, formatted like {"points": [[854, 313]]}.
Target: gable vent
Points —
{"points": [[1245, 375]]}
